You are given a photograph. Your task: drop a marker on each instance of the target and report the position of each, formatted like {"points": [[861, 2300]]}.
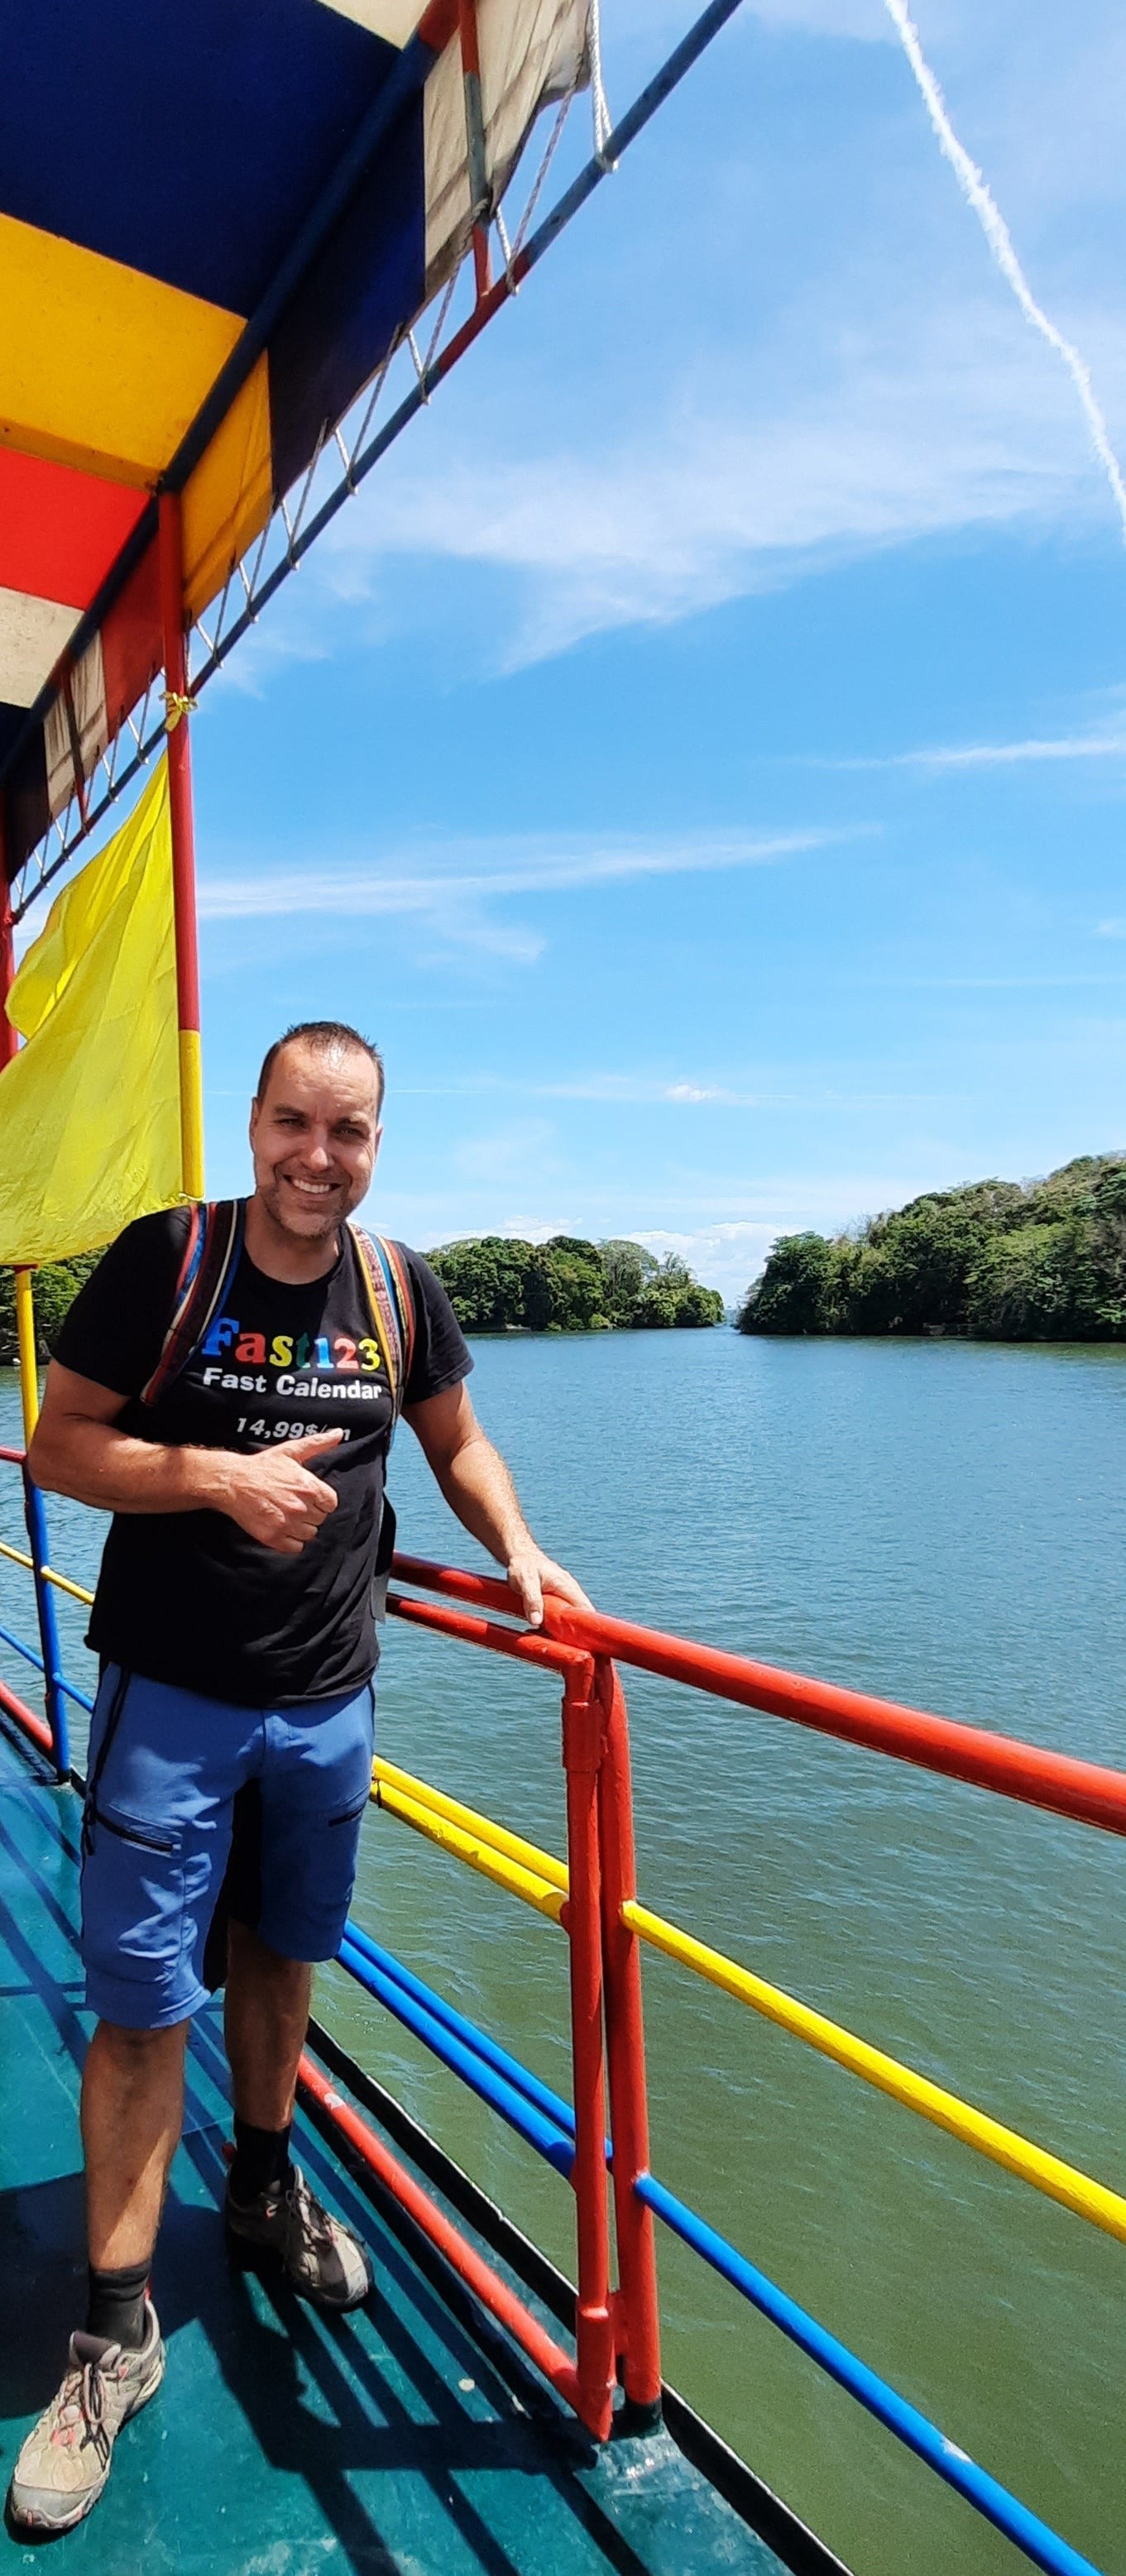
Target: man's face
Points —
{"points": [[315, 1137]]}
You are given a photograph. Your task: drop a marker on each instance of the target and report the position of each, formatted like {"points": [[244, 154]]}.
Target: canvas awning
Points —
{"points": [[215, 223]]}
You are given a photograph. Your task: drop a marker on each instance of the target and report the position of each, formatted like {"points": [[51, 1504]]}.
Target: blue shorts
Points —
{"points": [[163, 1772]]}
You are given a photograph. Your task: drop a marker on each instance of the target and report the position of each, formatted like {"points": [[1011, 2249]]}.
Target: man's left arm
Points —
{"points": [[477, 1486]]}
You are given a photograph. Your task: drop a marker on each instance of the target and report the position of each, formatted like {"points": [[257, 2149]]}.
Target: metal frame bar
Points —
{"points": [[408, 77], [598, 1905], [34, 1517], [1043, 2546], [1087, 1792], [433, 373], [177, 708], [493, 2294]]}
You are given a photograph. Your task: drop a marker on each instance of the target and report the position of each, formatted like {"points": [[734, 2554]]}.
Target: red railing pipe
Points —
{"points": [[1058, 1782], [638, 2308], [524, 1645], [594, 2322], [493, 2293], [24, 1716]]}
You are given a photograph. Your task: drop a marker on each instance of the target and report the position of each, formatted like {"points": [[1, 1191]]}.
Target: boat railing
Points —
{"points": [[592, 1897]]}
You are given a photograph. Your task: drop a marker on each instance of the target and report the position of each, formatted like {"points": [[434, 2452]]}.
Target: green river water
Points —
{"points": [[941, 1522]]}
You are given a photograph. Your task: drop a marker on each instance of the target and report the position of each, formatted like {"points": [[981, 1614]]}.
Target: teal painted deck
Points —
{"points": [[283, 2443]]}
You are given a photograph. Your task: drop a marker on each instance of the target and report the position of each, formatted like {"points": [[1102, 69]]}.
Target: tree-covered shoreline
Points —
{"points": [[997, 1261], [500, 1284], [496, 1285]]}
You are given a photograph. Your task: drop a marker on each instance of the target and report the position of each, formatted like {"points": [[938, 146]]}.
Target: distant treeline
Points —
{"points": [[1001, 1260], [499, 1284], [565, 1286], [56, 1287]]}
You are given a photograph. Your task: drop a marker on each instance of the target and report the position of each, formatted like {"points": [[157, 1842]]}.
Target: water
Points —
{"points": [[942, 1522]]}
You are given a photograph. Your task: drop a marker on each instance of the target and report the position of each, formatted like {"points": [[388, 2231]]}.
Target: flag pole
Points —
{"points": [[177, 709], [34, 1513], [9, 1042]]}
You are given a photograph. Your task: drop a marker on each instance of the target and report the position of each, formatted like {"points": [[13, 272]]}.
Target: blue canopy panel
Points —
{"points": [[159, 168]]}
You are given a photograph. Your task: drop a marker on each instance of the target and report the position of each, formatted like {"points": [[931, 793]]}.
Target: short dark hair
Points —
{"points": [[326, 1037]]}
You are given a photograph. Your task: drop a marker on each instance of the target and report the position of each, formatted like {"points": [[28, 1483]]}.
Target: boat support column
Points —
{"points": [[178, 707], [34, 1515], [638, 2310], [594, 2319]]}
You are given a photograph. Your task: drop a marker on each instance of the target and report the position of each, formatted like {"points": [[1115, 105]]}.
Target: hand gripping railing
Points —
{"points": [[593, 1898]]}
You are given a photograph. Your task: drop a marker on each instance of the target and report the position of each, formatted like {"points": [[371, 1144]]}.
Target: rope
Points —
{"points": [[176, 706], [600, 109]]}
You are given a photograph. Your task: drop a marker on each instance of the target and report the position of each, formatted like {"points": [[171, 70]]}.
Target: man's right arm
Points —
{"points": [[77, 1450]]}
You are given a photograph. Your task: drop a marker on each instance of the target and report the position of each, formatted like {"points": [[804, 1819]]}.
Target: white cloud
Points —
{"points": [[998, 755], [979, 197], [840, 438], [725, 1251], [645, 1091], [455, 883], [819, 363]]}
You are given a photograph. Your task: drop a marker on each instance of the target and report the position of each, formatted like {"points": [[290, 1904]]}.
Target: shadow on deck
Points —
{"points": [[398, 2441]]}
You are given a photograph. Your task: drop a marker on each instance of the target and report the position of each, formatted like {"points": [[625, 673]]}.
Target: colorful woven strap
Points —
{"points": [[210, 1260], [387, 1281], [211, 1256]]}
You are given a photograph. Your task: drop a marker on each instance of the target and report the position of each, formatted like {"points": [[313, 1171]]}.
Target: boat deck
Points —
{"points": [[396, 2441]]}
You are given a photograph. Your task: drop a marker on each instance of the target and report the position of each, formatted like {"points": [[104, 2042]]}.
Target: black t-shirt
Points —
{"points": [[187, 1597]]}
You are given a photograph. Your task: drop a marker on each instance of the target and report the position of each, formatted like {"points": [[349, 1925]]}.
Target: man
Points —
{"points": [[234, 1622]]}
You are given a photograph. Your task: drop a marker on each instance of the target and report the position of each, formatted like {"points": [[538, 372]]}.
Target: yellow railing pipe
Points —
{"points": [[1074, 2190], [540, 1880], [473, 1850], [542, 1864], [77, 1591]]}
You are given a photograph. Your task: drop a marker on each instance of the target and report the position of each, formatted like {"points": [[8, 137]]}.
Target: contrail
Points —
{"points": [[999, 238]]}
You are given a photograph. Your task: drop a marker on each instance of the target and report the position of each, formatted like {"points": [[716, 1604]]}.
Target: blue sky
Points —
{"points": [[697, 754]]}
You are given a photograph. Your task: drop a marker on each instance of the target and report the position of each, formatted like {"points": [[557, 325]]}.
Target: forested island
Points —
{"points": [[1000, 1260], [496, 1284]]}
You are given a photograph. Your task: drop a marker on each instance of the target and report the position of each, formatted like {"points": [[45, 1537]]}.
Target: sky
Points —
{"points": [[697, 753]]}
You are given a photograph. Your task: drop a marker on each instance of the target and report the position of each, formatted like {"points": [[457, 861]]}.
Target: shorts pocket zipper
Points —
{"points": [[134, 1834]]}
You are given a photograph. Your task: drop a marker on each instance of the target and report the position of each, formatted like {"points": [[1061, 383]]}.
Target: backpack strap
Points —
{"points": [[387, 1282], [210, 1259]]}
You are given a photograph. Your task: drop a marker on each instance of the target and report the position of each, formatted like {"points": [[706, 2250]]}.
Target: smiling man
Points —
{"points": [[226, 1386]]}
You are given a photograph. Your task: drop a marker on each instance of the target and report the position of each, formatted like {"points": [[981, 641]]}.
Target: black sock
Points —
{"points": [[261, 2161], [117, 2304]]}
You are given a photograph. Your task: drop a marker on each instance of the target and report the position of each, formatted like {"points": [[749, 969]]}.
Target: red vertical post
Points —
{"points": [[639, 2317], [594, 2323], [171, 554], [475, 141], [8, 1038]]}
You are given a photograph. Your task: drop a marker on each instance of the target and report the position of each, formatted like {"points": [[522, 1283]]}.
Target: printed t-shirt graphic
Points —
{"points": [[187, 1597]]}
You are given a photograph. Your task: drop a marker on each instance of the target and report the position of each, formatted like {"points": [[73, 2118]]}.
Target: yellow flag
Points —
{"points": [[90, 1107]]}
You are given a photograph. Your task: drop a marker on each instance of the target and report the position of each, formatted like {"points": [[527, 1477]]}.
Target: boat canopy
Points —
{"points": [[216, 225]]}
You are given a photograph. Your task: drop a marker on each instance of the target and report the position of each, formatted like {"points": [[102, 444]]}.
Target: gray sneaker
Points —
{"points": [[320, 2256], [65, 2460]]}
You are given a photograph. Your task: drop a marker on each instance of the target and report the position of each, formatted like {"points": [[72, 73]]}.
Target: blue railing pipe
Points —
{"points": [[550, 2142], [18, 1648], [520, 2077], [1043, 2546], [36, 1519], [30, 1657]]}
